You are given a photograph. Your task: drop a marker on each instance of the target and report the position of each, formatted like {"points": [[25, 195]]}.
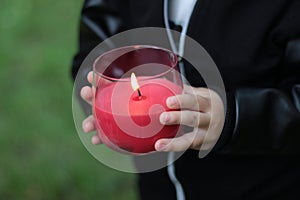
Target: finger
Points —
{"points": [[96, 140], [187, 89], [87, 94], [185, 117], [200, 90], [90, 77], [181, 143], [88, 124], [189, 101]]}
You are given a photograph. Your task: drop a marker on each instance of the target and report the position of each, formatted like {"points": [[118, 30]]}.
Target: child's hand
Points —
{"points": [[201, 109], [88, 125]]}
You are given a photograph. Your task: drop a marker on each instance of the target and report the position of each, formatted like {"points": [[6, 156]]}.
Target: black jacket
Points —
{"points": [[256, 46]]}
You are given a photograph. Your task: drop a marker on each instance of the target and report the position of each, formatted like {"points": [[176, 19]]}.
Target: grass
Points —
{"points": [[41, 155]]}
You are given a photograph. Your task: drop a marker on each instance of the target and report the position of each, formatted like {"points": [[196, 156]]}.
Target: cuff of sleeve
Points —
{"points": [[229, 124]]}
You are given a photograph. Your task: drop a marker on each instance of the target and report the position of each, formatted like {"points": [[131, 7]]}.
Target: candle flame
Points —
{"points": [[134, 82]]}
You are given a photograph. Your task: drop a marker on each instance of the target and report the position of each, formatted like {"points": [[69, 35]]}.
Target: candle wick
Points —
{"points": [[139, 92]]}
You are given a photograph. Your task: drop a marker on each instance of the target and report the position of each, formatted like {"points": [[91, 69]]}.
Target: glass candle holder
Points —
{"points": [[130, 87]]}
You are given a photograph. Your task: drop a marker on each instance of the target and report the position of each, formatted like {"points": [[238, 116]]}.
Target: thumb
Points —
{"points": [[181, 143]]}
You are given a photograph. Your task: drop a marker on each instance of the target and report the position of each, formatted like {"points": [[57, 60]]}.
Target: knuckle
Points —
{"points": [[84, 121], [193, 100], [82, 92], [182, 101], [195, 119], [177, 118]]}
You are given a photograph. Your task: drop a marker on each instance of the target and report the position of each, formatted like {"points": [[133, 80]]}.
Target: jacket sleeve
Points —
{"points": [[99, 20], [267, 119]]}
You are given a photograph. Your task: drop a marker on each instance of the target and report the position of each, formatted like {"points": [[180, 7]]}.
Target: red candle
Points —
{"points": [[130, 122]]}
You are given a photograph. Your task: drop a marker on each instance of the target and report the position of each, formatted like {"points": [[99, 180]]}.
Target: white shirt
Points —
{"points": [[180, 11]]}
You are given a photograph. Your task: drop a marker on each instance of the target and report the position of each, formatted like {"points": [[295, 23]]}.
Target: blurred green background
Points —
{"points": [[41, 155]]}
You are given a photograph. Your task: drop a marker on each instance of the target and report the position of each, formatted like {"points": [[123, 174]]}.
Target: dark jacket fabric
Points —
{"points": [[256, 46]]}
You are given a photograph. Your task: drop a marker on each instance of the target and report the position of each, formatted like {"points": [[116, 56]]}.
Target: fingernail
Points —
{"points": [[82, 92], [88, 126], [161, 147], [172, 102], [96, 140], [165, 117]]}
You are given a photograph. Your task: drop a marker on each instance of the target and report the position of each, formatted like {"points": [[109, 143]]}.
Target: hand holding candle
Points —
{"points": [[201, 109], [142, 113], [193, 98]]}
